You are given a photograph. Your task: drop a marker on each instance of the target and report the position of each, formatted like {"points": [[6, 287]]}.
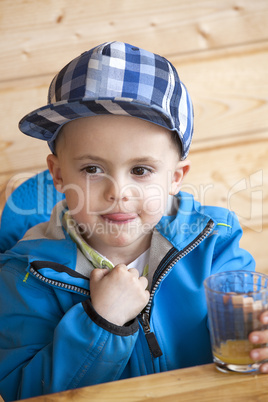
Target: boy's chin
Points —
{"points": [[119, 240]]}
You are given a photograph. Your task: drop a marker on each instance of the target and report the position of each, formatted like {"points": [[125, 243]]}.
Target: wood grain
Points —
{"points": [[33, 32], [221, 53], [229, 91], [230, 107], [200, 383], [234, 177]]}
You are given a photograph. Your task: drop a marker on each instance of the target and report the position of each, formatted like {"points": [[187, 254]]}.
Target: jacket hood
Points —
{"points": [[29, 204]]}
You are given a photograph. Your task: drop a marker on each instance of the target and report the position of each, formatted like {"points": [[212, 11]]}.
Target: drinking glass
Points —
{"points": [[235, 301]]}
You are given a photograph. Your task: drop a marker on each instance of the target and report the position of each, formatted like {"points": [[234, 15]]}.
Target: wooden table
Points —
{"points": [[200, 383]]}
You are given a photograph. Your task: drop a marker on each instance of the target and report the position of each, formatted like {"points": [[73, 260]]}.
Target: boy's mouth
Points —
{"points": [[119, 218]]}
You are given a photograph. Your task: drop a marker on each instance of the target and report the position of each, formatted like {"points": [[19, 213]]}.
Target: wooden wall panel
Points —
{"points": [[234, 177], [254, 241], [229, 91], [221, 52], [33, 32], [229, 96]]}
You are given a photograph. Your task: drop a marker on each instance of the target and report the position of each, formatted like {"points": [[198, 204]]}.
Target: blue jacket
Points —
{"points": [[52, 339]]}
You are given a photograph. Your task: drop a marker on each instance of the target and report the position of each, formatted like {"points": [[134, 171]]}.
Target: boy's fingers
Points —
{"points": [[134, 272], [264, 368], [99, 273], [259, 354], [144, 281], [259, 336], [264, 317]]}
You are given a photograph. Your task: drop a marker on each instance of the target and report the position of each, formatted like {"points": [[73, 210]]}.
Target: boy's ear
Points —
{"points": [[55, 171], [180, 172]]}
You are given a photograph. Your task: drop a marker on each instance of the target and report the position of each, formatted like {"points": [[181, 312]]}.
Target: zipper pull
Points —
{"points": [[151, 338], [153, 344]]}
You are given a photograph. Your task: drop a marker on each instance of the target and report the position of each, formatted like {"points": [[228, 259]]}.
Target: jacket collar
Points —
{"points": [[186, 222]]}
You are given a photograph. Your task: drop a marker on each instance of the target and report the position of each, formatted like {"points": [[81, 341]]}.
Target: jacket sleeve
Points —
{"points": [[44, 349], [228, 255]]}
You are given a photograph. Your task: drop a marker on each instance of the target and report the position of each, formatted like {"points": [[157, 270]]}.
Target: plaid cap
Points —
{"points": [[115, 78]]}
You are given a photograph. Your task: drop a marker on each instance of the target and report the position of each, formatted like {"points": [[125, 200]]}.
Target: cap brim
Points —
{"points": [[45, 123]]}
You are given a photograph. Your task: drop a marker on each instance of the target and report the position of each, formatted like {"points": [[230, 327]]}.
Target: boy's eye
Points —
{"points": [[93, 170], [141, 171]]}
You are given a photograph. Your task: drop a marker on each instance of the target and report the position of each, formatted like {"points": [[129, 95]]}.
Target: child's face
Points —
{"points": [[116, 173]]}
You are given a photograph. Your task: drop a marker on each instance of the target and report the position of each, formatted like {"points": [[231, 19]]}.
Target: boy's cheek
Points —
{"points": [[155, 201], [75, 200], [153, 207]]}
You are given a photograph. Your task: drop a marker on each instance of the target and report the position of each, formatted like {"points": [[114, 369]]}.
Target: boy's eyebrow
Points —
{"points": [[145, 159], [87, 156], [142, 159]]}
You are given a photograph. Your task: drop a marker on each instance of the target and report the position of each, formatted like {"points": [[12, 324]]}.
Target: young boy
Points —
{"points": [[112, 286]]}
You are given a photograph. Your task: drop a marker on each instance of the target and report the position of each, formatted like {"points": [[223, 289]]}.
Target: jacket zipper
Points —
{"points": [[145, 315], [59, 284]]}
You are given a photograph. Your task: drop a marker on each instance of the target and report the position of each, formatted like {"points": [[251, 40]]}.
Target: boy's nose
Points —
{"points": [[117, 191]]}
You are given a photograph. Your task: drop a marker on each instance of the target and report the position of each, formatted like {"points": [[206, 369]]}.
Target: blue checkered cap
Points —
{"points": [[115, 78]]}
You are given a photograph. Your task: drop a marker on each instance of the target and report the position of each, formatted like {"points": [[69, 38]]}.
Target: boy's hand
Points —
{"points": [[260, 337], [118, 295]]}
